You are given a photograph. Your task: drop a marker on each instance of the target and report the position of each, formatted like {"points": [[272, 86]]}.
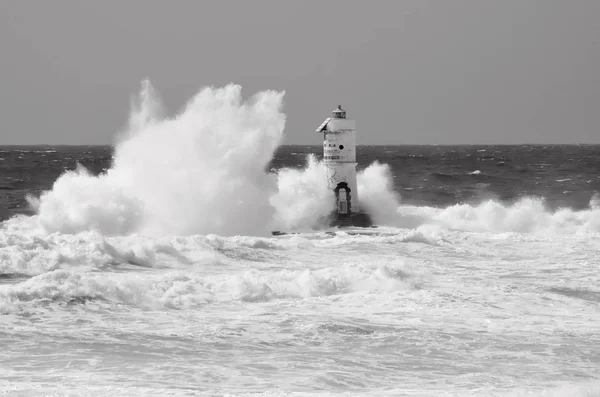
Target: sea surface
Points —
{"points": [[484, 280]]}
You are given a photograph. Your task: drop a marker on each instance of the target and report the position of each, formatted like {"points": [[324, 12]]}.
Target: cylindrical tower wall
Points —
{"points": [[339, 155]]}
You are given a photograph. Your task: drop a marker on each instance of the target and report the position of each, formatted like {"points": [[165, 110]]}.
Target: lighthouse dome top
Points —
{"points": [[339, 113]]}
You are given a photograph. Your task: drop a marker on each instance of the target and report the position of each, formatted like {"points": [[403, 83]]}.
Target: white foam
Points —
{"points": [[186, 289], [377, 195], [303, 199], [201, 171], [84, 389], [528, 215]]}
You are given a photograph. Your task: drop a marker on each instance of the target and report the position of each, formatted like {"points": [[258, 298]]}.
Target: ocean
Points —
{"points": [[148, 268]]}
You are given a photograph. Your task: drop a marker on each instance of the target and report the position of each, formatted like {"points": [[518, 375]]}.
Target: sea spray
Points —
{"points": [[303, 199], [377, 195], [210, 160], [201, 171], [527, 215]]}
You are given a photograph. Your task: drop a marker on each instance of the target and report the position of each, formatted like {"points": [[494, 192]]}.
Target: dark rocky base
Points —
{"points": [[360, 219]]}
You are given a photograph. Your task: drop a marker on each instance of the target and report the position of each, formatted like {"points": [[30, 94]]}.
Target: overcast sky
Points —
{"points": [[409, 71]]}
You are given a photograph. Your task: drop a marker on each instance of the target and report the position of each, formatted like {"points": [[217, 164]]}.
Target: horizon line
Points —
{"points": [[318, 144]]}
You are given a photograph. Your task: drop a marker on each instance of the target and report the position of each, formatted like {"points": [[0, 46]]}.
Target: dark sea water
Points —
{"points": [[564, 175]]}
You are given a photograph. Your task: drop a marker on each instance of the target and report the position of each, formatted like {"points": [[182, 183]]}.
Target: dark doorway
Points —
{"points": [[342, 198]]}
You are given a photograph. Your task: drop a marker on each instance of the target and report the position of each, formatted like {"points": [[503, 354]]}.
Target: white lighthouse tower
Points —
{"points": [[339, 157]]}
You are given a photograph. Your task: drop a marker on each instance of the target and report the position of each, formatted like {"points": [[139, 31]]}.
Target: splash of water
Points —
{"points": [[528, 215], [201, 171], [303, 199], [377, 195]]}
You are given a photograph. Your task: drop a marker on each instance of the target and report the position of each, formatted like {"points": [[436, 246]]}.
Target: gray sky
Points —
{"points": [[409, 71]]}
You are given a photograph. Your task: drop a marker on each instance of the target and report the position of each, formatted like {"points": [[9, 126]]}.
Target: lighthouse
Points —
{"points": [[339, 157]]}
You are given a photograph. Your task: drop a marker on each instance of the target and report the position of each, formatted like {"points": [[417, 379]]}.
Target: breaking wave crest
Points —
{"points": [[184, 290], [201, 171], [528, 215]]}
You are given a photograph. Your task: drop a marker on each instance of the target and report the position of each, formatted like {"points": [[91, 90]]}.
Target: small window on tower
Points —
{"points": [[341, 147]]}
